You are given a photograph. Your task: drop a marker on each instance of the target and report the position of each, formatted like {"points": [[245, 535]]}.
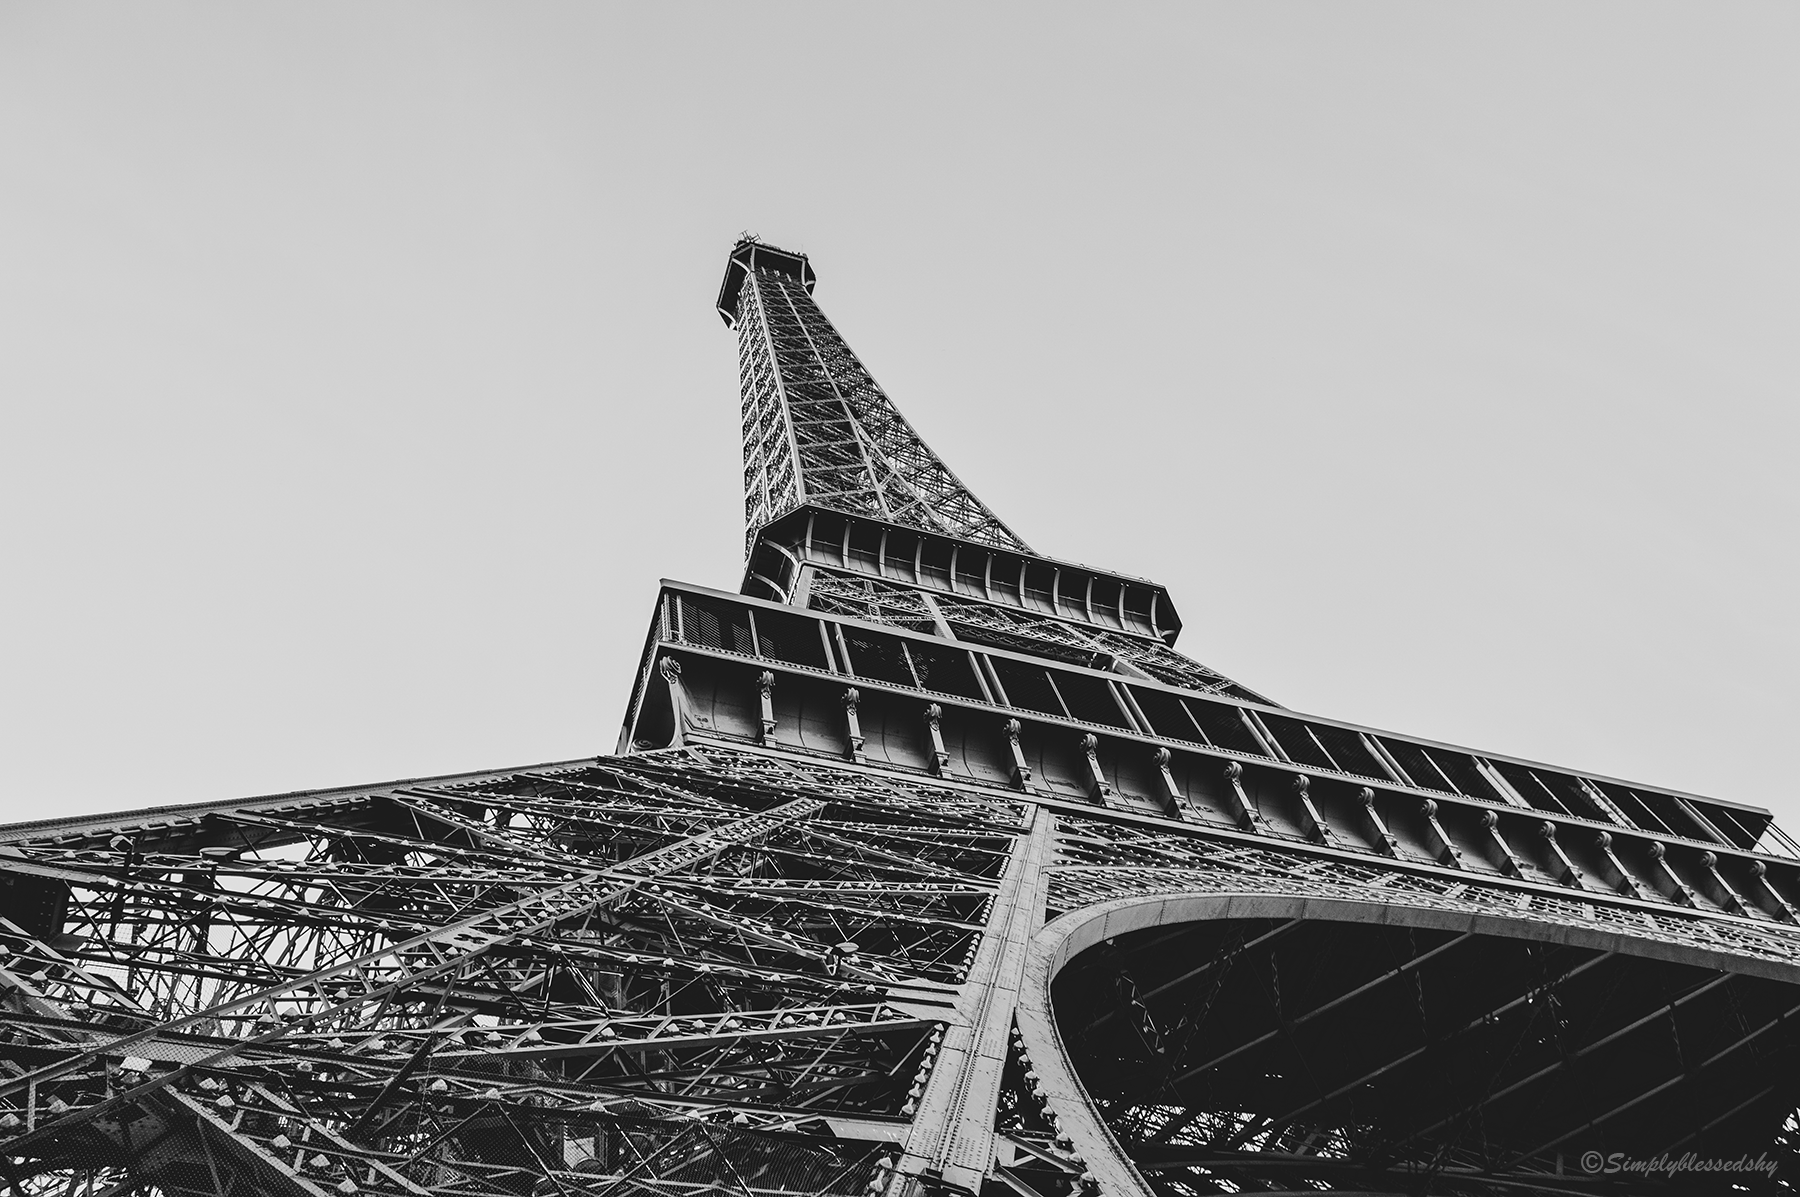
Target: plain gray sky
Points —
{"points": [[359, 375]]}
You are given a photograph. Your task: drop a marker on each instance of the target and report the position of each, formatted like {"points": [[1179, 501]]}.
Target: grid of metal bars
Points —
{"points": [[737, 967], [818, 429]]}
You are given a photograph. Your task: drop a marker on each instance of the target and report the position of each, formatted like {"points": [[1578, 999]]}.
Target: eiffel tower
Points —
{"points": [[925, 865]]}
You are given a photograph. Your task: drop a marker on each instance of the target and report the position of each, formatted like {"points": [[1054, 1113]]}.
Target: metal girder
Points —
{"points": [[727, 930], [961, 883], [817, 427], [1468, 1071]]}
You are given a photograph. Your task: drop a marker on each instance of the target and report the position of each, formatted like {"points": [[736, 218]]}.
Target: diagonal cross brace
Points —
{"points": [[449, 948]]}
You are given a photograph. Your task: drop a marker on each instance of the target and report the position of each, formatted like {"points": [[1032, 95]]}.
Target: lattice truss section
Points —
{"points": [[661, 973], [875, 601], [1003, 627], [1239, 1055], [1098, 862], [817, 428], [1044, 636]]}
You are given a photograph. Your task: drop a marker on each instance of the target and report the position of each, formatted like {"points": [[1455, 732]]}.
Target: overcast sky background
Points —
{"points": [[359, 376]]}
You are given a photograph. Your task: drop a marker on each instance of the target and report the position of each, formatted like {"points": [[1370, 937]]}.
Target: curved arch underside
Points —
{"points": [[1301, 1054]]}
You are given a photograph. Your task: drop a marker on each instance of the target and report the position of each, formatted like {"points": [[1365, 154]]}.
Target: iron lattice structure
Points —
{"points": [[924, 865], [817, 428]]}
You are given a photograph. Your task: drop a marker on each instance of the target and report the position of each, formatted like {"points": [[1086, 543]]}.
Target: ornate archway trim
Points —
{"points": [[1064, 938]]}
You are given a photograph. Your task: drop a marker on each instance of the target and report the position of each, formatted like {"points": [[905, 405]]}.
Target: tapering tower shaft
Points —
{"points": [[926, 867], [817, 428]]}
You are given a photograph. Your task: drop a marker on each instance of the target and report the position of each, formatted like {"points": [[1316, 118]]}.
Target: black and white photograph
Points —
{"points": [[822, 600]]}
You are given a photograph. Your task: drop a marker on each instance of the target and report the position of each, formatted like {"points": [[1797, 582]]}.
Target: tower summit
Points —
{"points": [[925, 866]]}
